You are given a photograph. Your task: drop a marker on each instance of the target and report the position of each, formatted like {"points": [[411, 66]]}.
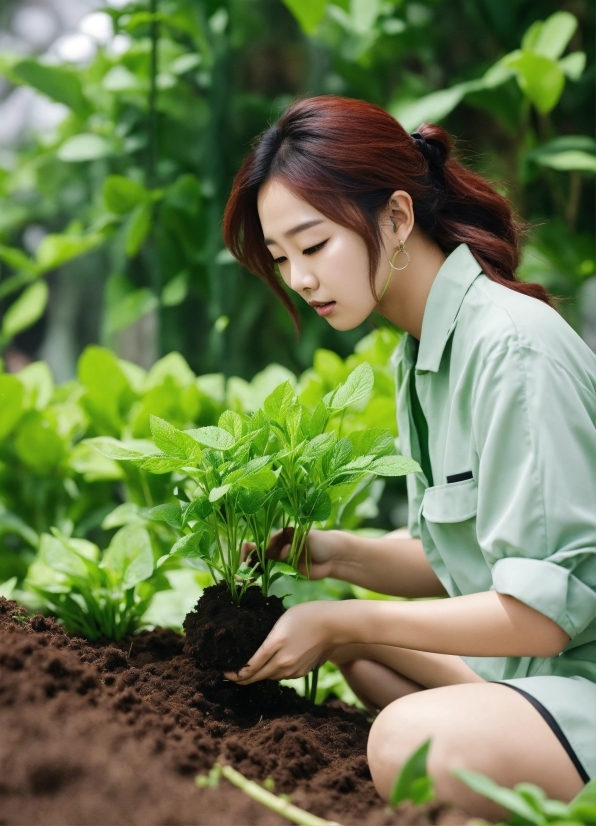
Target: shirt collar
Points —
{"points": [[445, 298]]}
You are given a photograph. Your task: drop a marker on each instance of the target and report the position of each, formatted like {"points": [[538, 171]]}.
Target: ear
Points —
{"points": [[400, 209]]}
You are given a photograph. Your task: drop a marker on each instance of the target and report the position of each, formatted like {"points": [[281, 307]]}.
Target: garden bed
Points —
{"points": [[116, 733]]}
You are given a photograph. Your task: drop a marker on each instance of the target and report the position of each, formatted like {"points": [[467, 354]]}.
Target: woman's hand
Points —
{"points": [[323, 547], [299, 640]]}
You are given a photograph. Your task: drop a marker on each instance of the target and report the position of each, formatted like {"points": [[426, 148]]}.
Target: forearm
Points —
{"points": [[386, 564], [477, 625]]}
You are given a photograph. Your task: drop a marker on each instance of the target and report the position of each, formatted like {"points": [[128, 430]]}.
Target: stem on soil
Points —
{"points": [[314, 679], [272, 801]]}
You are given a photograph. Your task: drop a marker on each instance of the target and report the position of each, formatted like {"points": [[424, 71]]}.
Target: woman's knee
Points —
{"points": [[395, 734]]}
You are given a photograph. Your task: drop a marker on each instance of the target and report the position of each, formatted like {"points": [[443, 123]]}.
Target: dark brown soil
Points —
{"points": [[223, 636], [115, 734]]}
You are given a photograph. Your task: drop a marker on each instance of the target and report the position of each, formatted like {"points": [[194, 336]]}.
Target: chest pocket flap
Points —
{"points": [[454, 502]]}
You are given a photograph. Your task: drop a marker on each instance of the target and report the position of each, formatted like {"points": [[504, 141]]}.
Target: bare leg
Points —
{"points": [[485, 727]]}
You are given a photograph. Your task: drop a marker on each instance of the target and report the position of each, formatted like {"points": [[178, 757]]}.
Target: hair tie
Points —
{"points": [[433, 150]]}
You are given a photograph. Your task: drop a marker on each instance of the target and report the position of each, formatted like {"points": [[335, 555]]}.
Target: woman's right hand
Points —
{"points": [[323, 547]]}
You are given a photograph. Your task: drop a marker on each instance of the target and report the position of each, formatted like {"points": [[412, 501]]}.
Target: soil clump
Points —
{"points": [[115, 733], [222, 635]]}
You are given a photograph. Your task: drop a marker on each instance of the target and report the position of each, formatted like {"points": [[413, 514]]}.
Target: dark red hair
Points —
{"points": [[346, 157]]}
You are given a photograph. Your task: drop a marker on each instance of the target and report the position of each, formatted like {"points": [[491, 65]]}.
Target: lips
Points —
{"points": [[323, 307]]}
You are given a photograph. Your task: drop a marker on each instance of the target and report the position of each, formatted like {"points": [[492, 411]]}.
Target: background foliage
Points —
{"points": [[126, 194]]}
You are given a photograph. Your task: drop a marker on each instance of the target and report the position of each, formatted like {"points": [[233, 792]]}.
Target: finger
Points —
{"points": [[258, 660], [278, 542], [272, 670], [246, 550]]}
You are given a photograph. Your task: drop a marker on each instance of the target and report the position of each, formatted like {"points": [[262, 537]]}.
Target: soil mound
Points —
{"points": [[115, 734], [223, 636]]}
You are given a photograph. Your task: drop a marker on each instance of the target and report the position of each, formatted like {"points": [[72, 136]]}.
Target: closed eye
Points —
{"points": [[316, 248]]}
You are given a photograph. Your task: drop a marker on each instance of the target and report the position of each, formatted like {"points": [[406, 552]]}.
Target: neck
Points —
{"points": [[405, 298]]}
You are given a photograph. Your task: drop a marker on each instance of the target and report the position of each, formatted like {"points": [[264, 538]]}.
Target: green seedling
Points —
{"points": [[280, 467], [413, 782], [98, 595]]}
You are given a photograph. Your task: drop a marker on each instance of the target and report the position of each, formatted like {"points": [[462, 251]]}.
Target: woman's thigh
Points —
{"points": [[484, 727]]}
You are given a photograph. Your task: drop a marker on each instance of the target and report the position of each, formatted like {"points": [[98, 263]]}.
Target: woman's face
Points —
{"points": [[324, 262]]}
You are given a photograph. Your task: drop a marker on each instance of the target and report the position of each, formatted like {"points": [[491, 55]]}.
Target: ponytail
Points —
{"points": [[346, 157]]}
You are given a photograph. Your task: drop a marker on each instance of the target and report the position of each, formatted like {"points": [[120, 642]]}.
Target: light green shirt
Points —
{"points": [[508, 390]]}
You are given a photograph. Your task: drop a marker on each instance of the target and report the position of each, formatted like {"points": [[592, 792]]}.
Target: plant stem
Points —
{"points": [[314, 679], [272, 801], [152, 117]]}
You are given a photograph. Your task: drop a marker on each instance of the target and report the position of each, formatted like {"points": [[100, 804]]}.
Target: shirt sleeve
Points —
{"points": [[534, 424]]}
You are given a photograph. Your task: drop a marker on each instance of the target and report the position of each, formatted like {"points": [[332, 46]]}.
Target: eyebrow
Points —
{"points": [[300, 228]]}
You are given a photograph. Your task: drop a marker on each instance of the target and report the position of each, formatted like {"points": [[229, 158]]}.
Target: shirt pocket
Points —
{"points": [[449, 516]]}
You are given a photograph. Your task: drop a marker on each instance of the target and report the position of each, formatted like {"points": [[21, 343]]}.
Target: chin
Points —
{"points": [[343, 323]]}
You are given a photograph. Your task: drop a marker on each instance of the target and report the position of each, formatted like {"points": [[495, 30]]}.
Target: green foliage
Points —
{"points": [[98, 595], [279, 467], [529, 805], [413, 782], [131, 186]]}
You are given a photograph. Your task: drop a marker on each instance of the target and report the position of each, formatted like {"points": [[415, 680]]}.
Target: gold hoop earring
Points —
{"points": [[401, 248]]}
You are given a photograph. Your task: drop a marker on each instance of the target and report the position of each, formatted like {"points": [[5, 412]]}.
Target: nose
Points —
{"points": [[302, 278]]}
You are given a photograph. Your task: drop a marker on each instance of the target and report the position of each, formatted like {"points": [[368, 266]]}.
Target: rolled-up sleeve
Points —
{"points": [[534, 427]]}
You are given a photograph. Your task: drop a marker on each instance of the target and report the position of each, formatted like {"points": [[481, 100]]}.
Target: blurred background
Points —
{"points": [[122, 125]]}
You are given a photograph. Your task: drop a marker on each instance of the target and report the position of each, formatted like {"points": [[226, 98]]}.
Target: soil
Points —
{"points": [[104, 733], [222, 635]]}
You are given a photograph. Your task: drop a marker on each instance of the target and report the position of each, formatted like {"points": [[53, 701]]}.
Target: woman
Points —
{"points": [[497, 403]]}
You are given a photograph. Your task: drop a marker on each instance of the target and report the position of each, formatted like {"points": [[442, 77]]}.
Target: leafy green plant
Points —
{"points": [[92, 593], [529, 805], [277, 468]]}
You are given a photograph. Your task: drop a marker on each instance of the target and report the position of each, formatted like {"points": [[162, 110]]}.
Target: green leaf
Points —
{"points": [[6, 588], [315, 507], [318, 419], [277, 403], [174, 442], [38, 443], [583, 805], [122, 195], [341, 455], [262, 480], [507, 798], [170, 513], [25, 311], [175, 290], [550, 38], [196, 544], [11, 403], [539, 77], [114, 449], [129, 557], [394, 466], [61, 557], [198, 509], [433, 107], [11, 523], [413, 782], [376, 441], [137, 228], [160, 464], [56, 250], [231, 422], [56, 82], [17, 259], [84, 147], [218, 493], [356, 387], [185, 194], [130, 309], [37, 380], [318, 447], [213, 437], [308, 13], [250, 501], [125, 514], [573, 65]]}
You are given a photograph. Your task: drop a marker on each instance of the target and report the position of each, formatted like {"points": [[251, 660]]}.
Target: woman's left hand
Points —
{"points": [[300, 640]]}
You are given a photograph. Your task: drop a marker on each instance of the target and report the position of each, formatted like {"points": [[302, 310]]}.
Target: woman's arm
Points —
{"points": [[477, 625], [390, 564]]}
